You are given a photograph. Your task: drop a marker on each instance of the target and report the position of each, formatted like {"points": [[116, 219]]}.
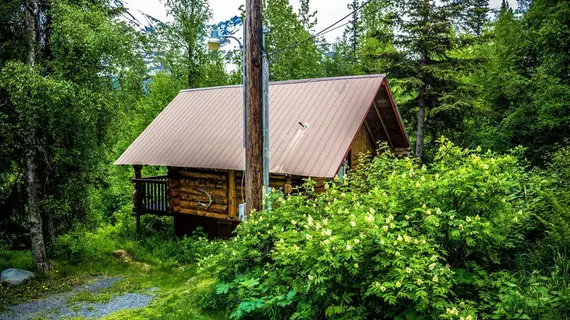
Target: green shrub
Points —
{"points": [[157, 244], [86, 245], [392, 240], [553, 209], [537, 287], [168, 251], [522, 295]]}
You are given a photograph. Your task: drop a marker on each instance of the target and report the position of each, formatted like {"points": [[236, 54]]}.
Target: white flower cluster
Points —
{"points": [[452, 312]]}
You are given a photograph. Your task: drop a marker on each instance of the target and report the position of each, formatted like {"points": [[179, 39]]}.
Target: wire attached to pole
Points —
{"points": [[325, 30]]}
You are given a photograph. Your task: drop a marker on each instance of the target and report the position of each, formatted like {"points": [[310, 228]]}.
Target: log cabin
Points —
{"points": [[317, 128]]}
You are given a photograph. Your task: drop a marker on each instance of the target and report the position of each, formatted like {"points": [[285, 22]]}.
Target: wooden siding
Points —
{"points": [[362, 144], [214, 193]]}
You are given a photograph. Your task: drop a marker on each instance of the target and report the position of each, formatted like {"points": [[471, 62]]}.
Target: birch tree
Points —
{"points": [[31, 12]]}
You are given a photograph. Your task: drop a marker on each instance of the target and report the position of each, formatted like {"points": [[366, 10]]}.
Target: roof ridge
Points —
{"points": [[364, 76]]}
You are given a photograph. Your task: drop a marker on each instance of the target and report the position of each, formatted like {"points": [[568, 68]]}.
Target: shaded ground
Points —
{"points": [[73, 303], [111, 290]]}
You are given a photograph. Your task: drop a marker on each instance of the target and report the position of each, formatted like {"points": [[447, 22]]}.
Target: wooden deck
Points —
{"points": [[151, 197]]}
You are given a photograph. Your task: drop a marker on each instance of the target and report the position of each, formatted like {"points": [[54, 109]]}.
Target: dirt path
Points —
{"points": [[58, 305]]}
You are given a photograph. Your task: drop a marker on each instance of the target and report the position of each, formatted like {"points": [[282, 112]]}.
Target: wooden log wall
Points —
{"points": [[214, 194], [277, 182], [199, 192]]}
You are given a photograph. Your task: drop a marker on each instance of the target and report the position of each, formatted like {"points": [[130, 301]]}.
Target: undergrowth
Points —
{"points": [[178, 291], [454, 239], [472, 235]]}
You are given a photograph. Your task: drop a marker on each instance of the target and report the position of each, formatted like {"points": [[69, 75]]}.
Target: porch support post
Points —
{"points": [[232, 203], [138, 199]]}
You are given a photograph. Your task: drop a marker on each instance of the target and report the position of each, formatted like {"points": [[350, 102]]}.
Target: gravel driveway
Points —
{"points": [[56, 306]]}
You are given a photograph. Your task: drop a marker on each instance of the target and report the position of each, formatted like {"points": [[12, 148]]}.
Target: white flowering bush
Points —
{"points": [[386, 242]]}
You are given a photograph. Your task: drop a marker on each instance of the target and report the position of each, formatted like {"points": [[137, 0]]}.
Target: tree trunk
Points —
{"points": [[35, 217], [354, 39], [421, 112], [191, 41], [48, 229], [254, 108], [33, 187], [190, 66]]}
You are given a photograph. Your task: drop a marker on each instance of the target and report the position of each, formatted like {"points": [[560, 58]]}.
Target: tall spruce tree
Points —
{"points": [[307, 17], [472, 15], [417, 44], [478, 11], [353, 30], [423, 31], [343, 56]]}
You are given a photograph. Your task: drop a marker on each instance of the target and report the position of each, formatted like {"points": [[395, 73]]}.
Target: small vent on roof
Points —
{"points": [[303, 126]]}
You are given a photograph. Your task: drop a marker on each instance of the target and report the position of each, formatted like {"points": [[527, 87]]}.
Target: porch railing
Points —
{"points": [[151, 195]]}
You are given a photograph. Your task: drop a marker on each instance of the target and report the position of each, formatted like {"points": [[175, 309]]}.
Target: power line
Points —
{"points": [[333, 29], [276, 54], [324, 31]]}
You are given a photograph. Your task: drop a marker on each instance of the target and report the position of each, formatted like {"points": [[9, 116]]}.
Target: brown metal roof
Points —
{"points": [[202, 128]]}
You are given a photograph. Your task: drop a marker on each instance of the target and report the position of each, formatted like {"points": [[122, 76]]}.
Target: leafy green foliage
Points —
{"points": [[470, 234], [157, 244], [85, 245], [180, 46], [15, 259], [68, 118], [525, 90], [388, 241], [71, 100], [525, 296], [286, 29]]}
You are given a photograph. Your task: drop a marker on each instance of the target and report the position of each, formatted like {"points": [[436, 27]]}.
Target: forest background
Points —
{"points": [[79, 80]]}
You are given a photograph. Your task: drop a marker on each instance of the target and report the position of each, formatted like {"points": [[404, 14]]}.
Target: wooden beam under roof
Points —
{"points": [[383, 125]]}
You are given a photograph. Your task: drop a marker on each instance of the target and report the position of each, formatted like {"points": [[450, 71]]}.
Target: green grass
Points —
{"points": [[87, 296], [177, 300], [21, 259], [178, 291]]}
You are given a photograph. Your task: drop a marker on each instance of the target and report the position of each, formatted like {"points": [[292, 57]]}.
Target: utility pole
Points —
{"points": [[265, 117], [254, 108]]}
